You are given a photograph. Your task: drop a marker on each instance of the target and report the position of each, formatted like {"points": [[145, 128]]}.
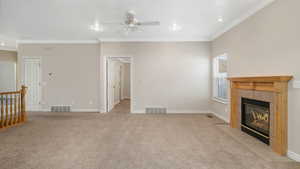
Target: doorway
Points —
{"points": [[118, 84], [32, 79]]}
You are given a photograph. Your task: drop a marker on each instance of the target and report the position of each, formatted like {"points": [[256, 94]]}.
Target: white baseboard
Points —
{"points": [[188, 111], [176, 111], [293, 156], [85, 110], [221, 117], [72, 110], [137, 112], [37, 110]]}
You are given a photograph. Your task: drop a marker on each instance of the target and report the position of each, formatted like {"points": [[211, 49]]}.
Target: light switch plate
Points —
{"points": [[296, 84]]}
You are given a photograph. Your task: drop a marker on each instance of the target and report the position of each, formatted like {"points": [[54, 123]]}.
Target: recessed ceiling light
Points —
{"points": [[175, 27], [97, 27], [2, 44], [220, 19]]}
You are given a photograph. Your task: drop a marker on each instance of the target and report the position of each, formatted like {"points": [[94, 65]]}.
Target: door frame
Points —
{"points": [[39, 106], [105, 82]]}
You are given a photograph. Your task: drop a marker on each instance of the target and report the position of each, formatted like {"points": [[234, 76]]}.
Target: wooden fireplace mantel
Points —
{"points": [[275, 84]]}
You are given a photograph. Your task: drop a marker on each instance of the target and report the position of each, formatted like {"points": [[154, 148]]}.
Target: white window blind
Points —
{"points": [[220, 82]]}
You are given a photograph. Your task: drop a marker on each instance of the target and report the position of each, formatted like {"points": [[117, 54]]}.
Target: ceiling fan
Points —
{"points": [[131, 23]]}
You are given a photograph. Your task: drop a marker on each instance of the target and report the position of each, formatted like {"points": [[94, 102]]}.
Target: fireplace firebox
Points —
{"points": [[255, 119]]}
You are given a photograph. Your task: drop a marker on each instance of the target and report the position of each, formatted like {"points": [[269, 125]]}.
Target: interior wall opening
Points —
{"points": [[118, 84]]}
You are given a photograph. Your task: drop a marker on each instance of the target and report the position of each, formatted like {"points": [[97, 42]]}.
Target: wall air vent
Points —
{"points": [[61, 108], [156, 110]]}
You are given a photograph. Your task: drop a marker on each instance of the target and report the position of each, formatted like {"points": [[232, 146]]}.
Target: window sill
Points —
{"points": [[220, 100]]}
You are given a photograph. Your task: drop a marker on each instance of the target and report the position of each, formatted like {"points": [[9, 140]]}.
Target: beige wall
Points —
{"points": [[167, 74], [75, 68], [268, 43], [8, 74], [126, 81], [8, 56]]}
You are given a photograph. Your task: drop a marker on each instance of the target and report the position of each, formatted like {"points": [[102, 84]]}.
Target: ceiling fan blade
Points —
{"points": [[151, 23]]}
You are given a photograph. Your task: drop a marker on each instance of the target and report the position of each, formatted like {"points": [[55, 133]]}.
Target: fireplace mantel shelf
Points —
{"points": [[278, 85], [261, 79], [260, 83]]}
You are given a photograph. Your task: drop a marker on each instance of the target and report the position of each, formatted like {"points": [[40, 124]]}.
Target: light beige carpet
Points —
{"points": [[122, 107], [127, 141]]}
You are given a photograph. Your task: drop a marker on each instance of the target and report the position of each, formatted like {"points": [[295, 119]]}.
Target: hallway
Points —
{"points": [[123, 107]]}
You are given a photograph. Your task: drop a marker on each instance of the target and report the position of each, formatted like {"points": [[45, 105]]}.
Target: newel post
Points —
{"points": [[23, 103]]}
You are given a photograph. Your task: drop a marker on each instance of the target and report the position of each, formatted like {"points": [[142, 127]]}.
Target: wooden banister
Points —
{"points": [[12, 108]]}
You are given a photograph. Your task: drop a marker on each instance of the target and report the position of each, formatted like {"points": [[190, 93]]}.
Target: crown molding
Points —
{"points": [[242, 18], [57, 41], [155, 40], [8, 49], [110, 40]]}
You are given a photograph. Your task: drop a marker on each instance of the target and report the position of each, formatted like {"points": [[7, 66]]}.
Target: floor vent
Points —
{"points": [[156, 110], [60, 108]]}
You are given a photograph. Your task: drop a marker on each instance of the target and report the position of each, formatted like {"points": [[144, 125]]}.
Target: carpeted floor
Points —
{"points": [[122, 107], [131, 141]]}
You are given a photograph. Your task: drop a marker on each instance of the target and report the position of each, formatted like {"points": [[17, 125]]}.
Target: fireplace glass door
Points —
{"points": [[256, 118]]}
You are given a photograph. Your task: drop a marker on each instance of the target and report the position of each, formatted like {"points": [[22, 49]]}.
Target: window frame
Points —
{"points": [[215, 75]]}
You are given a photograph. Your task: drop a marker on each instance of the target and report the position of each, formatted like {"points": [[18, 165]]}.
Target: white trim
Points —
{"points": [[111, 40], [188, 111], [58, 41], [221, 117], [239, 20], [155, 40], [72, 110], [8, 49], [131, 83], [176, 112], [219, 100], [293, 156], [85, 110], [105, 76], [40, 60], [218, 75], [138, 112]]}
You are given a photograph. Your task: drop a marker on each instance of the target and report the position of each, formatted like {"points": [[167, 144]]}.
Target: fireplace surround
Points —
{"points": [[272, 93]]}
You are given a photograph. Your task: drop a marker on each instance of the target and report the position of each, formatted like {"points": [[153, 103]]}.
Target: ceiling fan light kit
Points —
{"points": [[131, 23]]}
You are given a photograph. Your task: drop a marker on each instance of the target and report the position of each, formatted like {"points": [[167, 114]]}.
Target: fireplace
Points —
{"points": [[255, 119], [269, 96]]}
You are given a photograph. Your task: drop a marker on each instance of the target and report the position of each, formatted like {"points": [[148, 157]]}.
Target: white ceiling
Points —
{"points": [[69, 20]]}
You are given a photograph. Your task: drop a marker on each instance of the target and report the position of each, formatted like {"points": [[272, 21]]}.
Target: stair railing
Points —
{"points": [[12, 108]]}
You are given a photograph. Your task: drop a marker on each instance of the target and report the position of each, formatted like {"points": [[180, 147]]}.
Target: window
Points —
{"points": [[220, 82]]}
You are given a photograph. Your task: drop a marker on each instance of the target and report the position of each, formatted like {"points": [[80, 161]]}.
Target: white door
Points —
{"points": [[117, 84], [110, 85], [113, 83], [32, 79]]}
